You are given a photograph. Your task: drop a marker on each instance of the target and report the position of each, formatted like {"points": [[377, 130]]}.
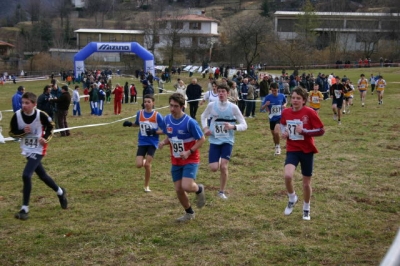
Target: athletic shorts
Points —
{"points": [[272, 124], [216, 152], [338, 102], [146, 149], [347, 98], [180, 171], [305, 159]]}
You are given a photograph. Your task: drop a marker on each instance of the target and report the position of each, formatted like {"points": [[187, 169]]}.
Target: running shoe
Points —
{"points": [[22, 215], [306, 215], [201, 198], [147, 189], [335, 117], [289, 207], [63, 199], [186, 217], [277, 150], [222, 195]]}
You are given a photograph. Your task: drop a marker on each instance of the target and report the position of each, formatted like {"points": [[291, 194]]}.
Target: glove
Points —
{"points": [[151, 132], [127, 124]]}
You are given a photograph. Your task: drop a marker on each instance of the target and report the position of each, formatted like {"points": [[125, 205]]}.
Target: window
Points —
{"points": [[203, 40], [177, 25], [286, 25], [195, 25]]}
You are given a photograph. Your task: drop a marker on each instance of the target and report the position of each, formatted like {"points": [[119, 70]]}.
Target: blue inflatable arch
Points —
{"points": [[110, 47]]}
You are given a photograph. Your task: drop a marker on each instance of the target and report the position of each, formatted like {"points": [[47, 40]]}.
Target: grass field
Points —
{"points": [[355, 207]]}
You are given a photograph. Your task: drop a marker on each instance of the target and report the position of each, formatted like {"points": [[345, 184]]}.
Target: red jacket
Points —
{"points": [[119, 92]]}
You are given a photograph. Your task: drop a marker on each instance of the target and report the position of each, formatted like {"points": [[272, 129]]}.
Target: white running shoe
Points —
{"points": [[343, 112], [201, 198], [222, 195], [335, 117], [306, 215], [289, 207], [339, 123], [147, 189], [186, 217], [362, 104], [277, 150]]}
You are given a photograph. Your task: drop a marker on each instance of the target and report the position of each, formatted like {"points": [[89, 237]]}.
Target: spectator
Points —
{"points": [[44, 103], [118, 91], [17, 99], [193, 92], [63, 105]]}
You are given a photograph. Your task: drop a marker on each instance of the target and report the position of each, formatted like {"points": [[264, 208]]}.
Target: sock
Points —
{"points": [[221, 192], [200, 190], [60, 191], [306, 206], [277, 146], [25, 208], [189, 210], [292, 197]]}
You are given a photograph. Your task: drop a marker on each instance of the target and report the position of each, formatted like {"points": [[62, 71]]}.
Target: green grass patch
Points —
{"points": [[111, 221]]}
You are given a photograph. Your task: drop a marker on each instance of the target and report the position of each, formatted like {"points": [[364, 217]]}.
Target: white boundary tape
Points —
{"points": [[93, 125]]}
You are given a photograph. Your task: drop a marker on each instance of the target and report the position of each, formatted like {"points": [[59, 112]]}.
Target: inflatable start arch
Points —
{"points": [[113, 47]]}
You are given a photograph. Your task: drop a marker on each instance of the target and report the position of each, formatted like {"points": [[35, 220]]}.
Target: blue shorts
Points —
{"points": [[305, 159], [146, 149], [180, 171], [223, 151]]}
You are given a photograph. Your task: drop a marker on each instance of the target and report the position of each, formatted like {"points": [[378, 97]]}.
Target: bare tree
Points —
{"points": [[62, 9], [249, 37], [34, 9]]}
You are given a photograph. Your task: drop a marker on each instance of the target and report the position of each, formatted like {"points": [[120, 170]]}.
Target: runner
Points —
{"points": [[380, 88], [362, 85], [185, 138], [299, 124], [224, 115], [275, 102]]}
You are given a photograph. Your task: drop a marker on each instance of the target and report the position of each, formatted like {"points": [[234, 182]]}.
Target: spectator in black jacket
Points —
{"points": [[63, 105], [193, 93], [43, 102]]}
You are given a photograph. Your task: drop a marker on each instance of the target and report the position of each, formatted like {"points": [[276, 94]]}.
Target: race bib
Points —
{"points": [[219, 131], [291, 125], [31, 142], [177, 147], [276, 110], [315, 99], [143, 126], [338, 93]]}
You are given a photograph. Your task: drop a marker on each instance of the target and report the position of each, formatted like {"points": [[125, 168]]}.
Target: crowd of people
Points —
{"points": [[291, 103]]}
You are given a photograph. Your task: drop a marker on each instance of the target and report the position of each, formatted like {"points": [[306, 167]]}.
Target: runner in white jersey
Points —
{"points": [[35, 128], [225, 119]]}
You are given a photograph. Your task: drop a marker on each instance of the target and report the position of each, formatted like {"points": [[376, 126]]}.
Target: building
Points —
{"points": [[352, 31], [78, 3], [85, 36], [5, 48], [185, 32]]}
